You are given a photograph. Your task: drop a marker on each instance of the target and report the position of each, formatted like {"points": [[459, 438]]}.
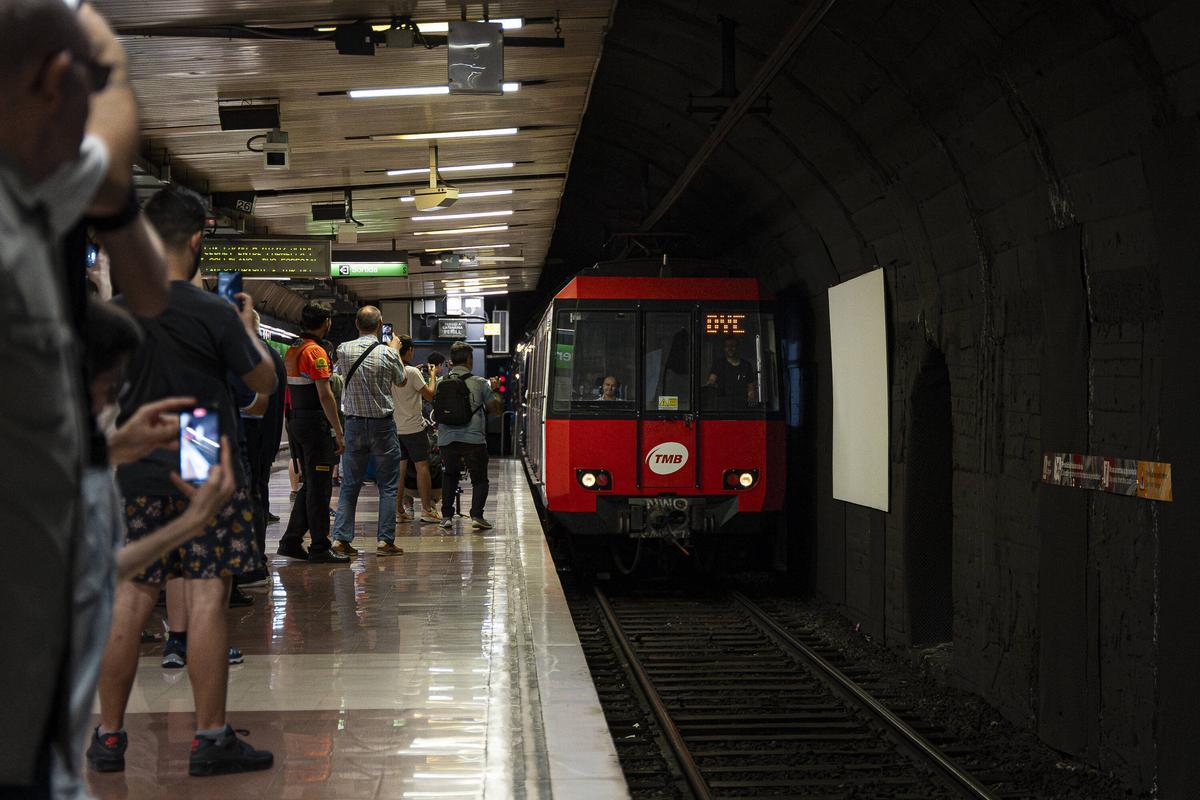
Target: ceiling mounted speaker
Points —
{"points": [[249, 117], [329, 212]]}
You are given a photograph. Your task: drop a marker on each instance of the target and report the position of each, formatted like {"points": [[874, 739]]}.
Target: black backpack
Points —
{"points": [[452, 402]]}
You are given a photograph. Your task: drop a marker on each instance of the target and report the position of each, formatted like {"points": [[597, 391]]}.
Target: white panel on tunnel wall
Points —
{"points": [[858, 341]]}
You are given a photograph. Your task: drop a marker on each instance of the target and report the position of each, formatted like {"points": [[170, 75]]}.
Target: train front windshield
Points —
{"points": [[738, 361], [714, 360], [593, 360]]}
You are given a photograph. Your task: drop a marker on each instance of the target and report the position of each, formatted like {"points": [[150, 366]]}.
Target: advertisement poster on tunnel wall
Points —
{"points": [[1131, 477]]}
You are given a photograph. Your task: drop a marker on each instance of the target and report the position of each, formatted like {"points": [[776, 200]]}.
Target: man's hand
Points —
{"points": [[207, 500], [153, 426], [339, 442], [245, 311]]}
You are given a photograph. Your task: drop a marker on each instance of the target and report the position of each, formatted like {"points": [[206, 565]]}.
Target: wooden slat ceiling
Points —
{"points": [[179, 82]]}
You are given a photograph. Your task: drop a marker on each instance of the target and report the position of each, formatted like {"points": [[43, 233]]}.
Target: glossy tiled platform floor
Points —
{"points": [[453, 671]]}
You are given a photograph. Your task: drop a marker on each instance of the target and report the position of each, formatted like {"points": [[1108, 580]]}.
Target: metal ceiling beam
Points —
{"points": [[805, 24]]}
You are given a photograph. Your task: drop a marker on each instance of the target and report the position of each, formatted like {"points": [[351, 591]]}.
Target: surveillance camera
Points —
{"points": [[277, 153], [428, 197]]}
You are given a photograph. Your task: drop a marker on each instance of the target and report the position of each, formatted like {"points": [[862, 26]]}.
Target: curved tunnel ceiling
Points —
{"points": [[929, 133]]}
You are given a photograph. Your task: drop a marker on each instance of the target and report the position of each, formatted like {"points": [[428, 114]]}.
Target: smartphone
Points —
{"points": [[229, 284], [387, 332], [199, 443]]}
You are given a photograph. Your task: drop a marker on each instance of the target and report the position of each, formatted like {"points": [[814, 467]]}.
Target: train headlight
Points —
{"points": [[593, 479], [740, 479]]}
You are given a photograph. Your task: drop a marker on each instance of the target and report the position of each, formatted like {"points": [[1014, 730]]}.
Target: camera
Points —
{"points": [[277, 153]]}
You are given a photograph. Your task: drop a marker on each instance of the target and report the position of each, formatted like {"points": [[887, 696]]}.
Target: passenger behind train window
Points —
{"points": [[739, 351], [590, 348], [611, 389]]}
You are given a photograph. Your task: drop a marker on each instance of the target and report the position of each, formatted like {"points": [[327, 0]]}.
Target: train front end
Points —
{"points": [[660, 408]]}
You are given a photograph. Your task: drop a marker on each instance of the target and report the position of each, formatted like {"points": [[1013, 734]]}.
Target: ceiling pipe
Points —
{"points": [[805, 24]]}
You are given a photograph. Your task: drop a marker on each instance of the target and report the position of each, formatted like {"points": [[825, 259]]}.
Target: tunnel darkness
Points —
{"points": [[929, 540], [985, 154]]}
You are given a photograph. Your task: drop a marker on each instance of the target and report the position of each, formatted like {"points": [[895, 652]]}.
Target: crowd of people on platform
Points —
{"points": [[91, 483]]}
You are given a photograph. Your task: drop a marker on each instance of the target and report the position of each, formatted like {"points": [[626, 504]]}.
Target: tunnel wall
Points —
{"points": [[1026, 174]]}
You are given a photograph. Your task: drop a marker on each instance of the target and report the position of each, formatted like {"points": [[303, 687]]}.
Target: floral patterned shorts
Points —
{"points": [[225, 548]]}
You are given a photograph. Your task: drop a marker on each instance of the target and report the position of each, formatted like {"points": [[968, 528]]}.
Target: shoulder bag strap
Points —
{"points": [[354, 367]]}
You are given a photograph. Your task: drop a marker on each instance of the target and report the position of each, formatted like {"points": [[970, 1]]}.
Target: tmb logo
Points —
{"points": [[667, 458]]}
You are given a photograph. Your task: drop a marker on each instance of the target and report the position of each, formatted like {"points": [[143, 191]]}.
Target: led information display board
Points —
{"points": [[267, 258], [724, 324], [369, 269]]}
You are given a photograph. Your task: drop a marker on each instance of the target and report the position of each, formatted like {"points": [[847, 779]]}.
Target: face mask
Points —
{"points": [[106, 420], [196, 261]]}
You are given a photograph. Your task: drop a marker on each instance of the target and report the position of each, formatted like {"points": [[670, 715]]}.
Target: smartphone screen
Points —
{"points": [[229, 284], [387, 331], [199, 443]]}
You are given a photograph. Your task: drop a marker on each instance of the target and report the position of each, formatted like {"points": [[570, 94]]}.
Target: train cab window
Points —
{"points": [[668, 372], [594, 361], [738, 362]]}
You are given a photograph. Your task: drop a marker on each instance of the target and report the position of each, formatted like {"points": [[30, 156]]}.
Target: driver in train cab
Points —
{"points": [[733, 376], [610, 387]]}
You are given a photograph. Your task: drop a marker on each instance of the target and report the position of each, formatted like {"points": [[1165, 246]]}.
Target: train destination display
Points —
{"points": [[724, 324], [267, 258]]}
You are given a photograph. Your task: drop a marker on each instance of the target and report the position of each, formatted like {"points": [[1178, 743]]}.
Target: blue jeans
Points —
{"points": [[366, 438]]}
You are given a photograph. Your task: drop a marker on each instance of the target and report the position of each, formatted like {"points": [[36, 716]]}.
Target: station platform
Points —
{"points": [[452, 671]]}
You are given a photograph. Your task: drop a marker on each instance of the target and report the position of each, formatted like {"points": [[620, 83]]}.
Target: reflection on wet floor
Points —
{"points": [[451, 671]]}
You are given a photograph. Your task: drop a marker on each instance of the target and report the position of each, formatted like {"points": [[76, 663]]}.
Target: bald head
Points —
{"points": [[368, 320], [33, 30], [44, 82]]}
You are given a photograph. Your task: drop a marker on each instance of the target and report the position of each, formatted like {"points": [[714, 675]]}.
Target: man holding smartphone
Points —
{"points": [[189, 349]]}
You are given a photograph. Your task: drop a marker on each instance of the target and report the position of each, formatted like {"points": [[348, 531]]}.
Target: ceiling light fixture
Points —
{"points": [[508, 24], [456, 231], [475, 281], [416, 91], [415, 137], [472, 215], [474, 293], [392, 173], [464, 195], [473, 248]]}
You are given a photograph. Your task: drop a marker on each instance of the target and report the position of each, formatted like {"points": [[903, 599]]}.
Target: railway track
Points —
{"points": [[745, 709]]}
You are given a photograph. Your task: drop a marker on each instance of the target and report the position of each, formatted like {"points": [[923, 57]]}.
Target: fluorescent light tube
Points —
{"points": [[464, 195], [471, 247], [414, 137], [472, 215], [416, 91], [392, 173], [456, 231], [510, 24]]}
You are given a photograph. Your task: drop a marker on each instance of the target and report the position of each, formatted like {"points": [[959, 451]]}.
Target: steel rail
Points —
{"points": [[691, 772], [943, 763]]}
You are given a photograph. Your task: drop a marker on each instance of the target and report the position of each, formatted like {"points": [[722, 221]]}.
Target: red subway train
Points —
{"points": [[650, 406]]}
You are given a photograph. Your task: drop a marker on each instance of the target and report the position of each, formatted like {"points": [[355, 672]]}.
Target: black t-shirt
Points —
{"points": [[732, 379], [190, 349]]}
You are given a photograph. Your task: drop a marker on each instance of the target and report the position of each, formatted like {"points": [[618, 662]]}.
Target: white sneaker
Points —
{"points": [[480, 524]]}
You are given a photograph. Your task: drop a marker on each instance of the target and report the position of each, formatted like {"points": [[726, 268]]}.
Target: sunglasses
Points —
{"points": [[97, 74]]}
